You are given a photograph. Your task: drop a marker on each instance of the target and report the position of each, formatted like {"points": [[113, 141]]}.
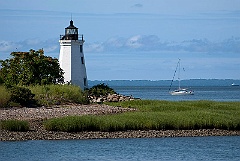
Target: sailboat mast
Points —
{"points": [[179, 69]]}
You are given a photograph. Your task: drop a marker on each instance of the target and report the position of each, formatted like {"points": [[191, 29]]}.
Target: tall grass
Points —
{"points": [[156, 115], [4, 96], [58, 94], [47, 95], [14, 125]]}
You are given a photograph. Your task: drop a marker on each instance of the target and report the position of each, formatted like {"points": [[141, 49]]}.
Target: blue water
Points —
{"points": [[214, 93], [147, 149], [204, 89]]}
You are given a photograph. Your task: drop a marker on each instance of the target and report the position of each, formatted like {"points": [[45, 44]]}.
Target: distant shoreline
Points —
{"points": [[35, 116], [184, 82]]}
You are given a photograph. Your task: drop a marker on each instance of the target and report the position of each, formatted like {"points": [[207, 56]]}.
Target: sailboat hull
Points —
{"points": [[181, 92]]}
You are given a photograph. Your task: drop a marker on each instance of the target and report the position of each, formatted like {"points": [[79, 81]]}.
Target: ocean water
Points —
{"points": [[204, 89], [214, 93], [145, 149]]}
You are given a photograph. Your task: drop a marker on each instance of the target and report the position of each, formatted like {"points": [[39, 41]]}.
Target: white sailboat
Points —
{"points": [[179, 91], [233, 84]]}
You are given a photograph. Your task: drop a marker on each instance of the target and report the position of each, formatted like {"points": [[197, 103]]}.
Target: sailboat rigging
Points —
{"points": [[179, 91]]}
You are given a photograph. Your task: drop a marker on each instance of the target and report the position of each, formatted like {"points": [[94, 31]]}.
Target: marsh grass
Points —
{"points": [[14, 125], [47, 95], [4, 96], [156, 115], [58, 94]]}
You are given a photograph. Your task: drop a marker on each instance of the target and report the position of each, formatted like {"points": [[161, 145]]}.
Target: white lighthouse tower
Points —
{"points": [[71, 57]]}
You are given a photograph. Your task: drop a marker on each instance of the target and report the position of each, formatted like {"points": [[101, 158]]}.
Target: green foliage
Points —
{"points": [[1, 79], [58, 94], [22, 95], [30, 68], [4, 96], [100, 90], [156, 115], [14, 125]]}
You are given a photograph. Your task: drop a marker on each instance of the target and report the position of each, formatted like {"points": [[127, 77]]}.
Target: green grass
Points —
{"points": [[58, 94], [156, 115], [14, 125], [4, 96], [47, 95]]}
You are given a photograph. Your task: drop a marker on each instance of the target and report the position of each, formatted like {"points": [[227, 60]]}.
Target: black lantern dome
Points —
{"points": [[71, 32]]}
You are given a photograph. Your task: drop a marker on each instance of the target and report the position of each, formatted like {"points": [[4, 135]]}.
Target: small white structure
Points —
{"points": [[71, 57]]}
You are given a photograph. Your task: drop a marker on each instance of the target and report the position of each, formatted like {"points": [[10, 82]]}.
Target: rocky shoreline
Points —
{"points": [[50, 135], [36, 116]]}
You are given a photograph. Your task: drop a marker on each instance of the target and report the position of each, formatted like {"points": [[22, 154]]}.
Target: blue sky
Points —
{"points": [[132, 39]]}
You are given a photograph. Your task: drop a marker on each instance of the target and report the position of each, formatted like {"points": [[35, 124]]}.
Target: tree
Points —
{"points": [[30, 68]]}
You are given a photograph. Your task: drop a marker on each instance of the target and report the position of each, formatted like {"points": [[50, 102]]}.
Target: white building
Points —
{"points": [[71, 57]]}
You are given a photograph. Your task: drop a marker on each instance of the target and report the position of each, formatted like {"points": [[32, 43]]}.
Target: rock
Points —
{"points": [[99, 100], [115, 99], [111, 98]]}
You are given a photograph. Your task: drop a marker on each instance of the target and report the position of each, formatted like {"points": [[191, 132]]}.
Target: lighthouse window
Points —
{"points": [[71, 31], [82, 59], [81, 48]]}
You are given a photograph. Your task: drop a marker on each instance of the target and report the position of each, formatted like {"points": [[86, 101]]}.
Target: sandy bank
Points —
{"points": [[59, 111]]}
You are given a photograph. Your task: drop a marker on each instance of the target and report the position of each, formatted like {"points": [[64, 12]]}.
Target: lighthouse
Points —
{"points": [[71, 57]]}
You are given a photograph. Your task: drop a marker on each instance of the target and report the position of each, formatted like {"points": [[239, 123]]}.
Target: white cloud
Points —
{"points": [[93, 47], [6, 46], [153, 43], [51, 48], [134, 42], [115, 42], [32, 41]]}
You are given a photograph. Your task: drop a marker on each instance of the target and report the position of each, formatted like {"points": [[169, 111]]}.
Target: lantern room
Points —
{"points": [[71, 32]]}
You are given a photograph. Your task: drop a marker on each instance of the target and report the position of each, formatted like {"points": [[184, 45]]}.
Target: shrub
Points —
{"points": [[22, 95], [14, 125], [100, 90]]}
